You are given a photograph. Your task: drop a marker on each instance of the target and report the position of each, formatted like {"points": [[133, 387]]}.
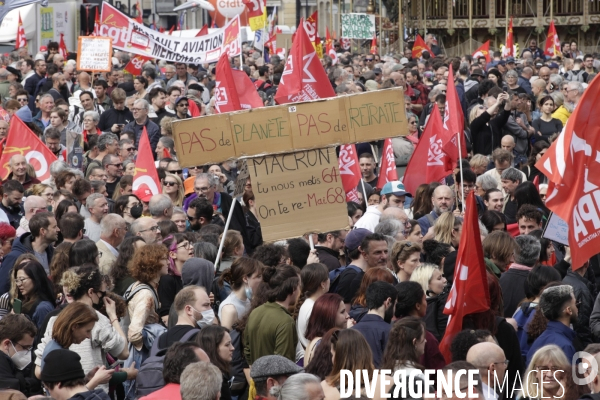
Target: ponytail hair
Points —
{"points": [[281, 281], [312, 276]]}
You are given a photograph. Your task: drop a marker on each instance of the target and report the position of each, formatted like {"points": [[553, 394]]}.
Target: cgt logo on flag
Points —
{"points": [[435, 154]]}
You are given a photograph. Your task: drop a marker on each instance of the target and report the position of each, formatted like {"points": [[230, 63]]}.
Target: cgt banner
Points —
{"points": [[133, 37], [291, 127]]}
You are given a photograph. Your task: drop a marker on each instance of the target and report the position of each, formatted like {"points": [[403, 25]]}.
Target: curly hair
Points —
{"points": [[146, 263], [78, 280], [464, 340], [62, 178], [59, 264]]}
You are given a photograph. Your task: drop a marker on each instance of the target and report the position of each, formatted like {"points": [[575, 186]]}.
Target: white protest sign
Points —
{"points": [[557, 230], [358, 26], [94, 53], [130, 36]]}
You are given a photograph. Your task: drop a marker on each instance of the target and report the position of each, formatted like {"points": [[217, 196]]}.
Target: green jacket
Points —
{"points": [[270, 330]]}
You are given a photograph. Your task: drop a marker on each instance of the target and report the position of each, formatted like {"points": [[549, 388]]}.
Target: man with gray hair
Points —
{"points": [[147, 229], [32, 206], [559, 306], [391, 227], [269, 373], [161, 207], [97, 205], [113, 229], [510, 179], [301, 386], [140, 111], [574, 92], [201, 381], [512, 282], [4, 83], [108, 143], [113, 166]]}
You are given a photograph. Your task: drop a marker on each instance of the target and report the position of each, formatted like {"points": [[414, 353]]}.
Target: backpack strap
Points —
{"points": [[188, 335], [131, 292]]}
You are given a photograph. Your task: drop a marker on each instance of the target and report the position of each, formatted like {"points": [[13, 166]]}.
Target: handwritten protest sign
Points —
{"points": [[358, 26], [133, 37], [557, 229], [94, 53], [287, 128], [297, 193]]}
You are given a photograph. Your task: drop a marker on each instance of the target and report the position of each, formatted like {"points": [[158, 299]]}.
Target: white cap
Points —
{"points": [[404, 60], [39, 56]]}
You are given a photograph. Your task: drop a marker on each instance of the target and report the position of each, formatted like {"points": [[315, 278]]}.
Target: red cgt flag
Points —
{"points": [[21, 39], [329, 47], [373, 49], [573, 186], [428, 162], [234, 91], [310, 25], [62, 47], [135, 65], [349, 171], [552, 48], [203, 31], [387, 169], [509, 50], [193, 108], [304, 77], [145, 176], [21, 140], [419, 47], [97, 24], [453, 125], [483, 51], [469, 293]]}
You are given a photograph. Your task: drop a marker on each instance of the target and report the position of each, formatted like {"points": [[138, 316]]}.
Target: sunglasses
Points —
{"points": [[22, 100], [130, 149], [176, 171], [120, 165], [183, 105], [170, 183]]}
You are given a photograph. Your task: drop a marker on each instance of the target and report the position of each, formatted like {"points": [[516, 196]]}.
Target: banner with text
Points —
{"points": [[131, 36], [358, 26], [297, 193], [362, 117], [94, 53]]}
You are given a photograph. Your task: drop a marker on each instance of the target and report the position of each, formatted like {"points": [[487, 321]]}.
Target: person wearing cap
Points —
{"points": [[535, 51], [64, 379], [393, 194], [271, 371], [510, 63], [182, 105], [14, 75], [378, 75], [477, 76], [144, 194]]}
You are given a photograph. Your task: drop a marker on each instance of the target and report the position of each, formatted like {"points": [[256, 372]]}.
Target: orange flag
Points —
{"points": [[329, 47], [483, 51], [374, 44], [419, 47], [21, 140], [145, 176]]}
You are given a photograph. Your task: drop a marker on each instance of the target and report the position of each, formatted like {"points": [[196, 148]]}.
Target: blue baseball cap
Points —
{"points": [[396, 188]]}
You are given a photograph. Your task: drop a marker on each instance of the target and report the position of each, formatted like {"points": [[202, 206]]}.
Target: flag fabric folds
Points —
{"points": [[145, 176], [552, 48], [483, 51], [349, 171], [387, 167], [419, 47]]}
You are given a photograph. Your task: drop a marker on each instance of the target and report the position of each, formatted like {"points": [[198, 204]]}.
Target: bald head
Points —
{"points": [[395, 213], [442, 199], [33, 205], [508, 143], [544, 73], [488, 356]]}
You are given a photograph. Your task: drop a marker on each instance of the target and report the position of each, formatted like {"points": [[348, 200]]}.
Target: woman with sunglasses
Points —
{"points": [[179, 251], [173, 187]]}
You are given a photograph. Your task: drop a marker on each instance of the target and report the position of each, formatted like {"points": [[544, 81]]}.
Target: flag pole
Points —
{"points": [[462, 181], [224, 235], [362, 182]]}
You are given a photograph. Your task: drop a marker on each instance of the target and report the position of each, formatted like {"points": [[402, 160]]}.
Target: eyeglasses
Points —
{"points": [[153, 229], [130, 149], [169, 183], [546, 368], [22, 100], [19, 281], [196, 167], [176, 171], [136, 109], [202, 189], [413, 122], [505, 362], [182, 105], [368, 59], [186, 245]]}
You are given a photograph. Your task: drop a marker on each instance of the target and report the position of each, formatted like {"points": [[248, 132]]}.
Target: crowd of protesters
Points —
{"points": [[109, 293]]}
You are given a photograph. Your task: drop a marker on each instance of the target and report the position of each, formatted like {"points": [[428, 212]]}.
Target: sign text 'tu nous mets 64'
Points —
{"points": [[282, 129]]}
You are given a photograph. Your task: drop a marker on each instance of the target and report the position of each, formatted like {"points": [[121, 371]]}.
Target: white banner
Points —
{"points": [[133, 37]]}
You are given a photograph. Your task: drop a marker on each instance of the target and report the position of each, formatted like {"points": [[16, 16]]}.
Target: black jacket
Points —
{"points": [[238, 221], [328, 257], [512, 283], [486, 132], [435, 319], [13, 378], [21, 245], [583, 294], [112, 116]]}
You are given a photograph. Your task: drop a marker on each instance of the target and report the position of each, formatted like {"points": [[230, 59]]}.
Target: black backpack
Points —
{"points": [[150, 375]]}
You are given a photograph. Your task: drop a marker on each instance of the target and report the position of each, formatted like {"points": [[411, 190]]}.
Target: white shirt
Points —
{"points": [[488, 392], [370, 219]]}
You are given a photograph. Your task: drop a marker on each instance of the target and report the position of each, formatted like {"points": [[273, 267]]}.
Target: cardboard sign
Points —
{"points": [[130, 36], [358, 26], [557, 230], [240, 181], [199, 143], [297, 193], [261, 130], [287, 128], [284, 41], [94, 53]]}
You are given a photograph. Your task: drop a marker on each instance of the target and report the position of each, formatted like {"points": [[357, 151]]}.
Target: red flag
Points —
{"points": [[193, 108], [345, 43], [329, 47], [304, 77], [234, 91], [171, 30], [255, 7], [509, 50], [470, 292], [419, 47], [140, 16], [96, 24], [454, 123], [62, 47], [536, 182], [428, 162], [135, 65], [349, 171], [161, 29], [310, 25], [483, 51], [166, 153], [21, 140], [203, 31], [373, 49], [21, 39], [552, 48], [145, 175], [387, 169], [570, 164]]}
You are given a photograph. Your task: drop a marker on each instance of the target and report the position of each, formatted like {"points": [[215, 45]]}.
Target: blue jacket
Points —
{"points": [[523, 316], [525, 84], [424, 222], [21, 245], [556, 333], [152, 129], [377, 332]]}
